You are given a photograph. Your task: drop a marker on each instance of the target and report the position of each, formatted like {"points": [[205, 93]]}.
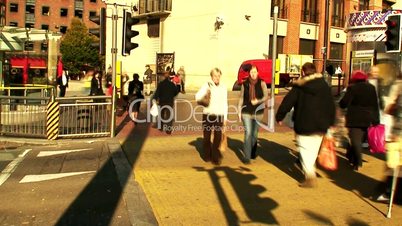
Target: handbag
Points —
{"points": [[376, 138], [204, 101], [154, 111], [327, 156]]}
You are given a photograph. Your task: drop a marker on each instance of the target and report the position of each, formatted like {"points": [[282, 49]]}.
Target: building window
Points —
{"points": [[78, 13], [45, 10], [336, 51], [63, 29], [92, 13], [14, 7], [279, 45], [150, 6], [363, 5], [309, 11], [45, 27], [307, 47], [29, 46], [30, 9], [338, 13], [63, 12], [43, 46], [282, 10], [153, 28], [13, 24], [29, 25]]}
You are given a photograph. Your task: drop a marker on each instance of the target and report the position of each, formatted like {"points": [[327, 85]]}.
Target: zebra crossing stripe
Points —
{"points": [[52, 120]]}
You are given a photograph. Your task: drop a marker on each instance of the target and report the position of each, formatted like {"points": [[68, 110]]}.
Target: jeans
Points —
{"points": [[250, 134]]}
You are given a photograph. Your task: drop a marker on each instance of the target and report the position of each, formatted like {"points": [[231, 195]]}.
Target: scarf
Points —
{"points": [[252, 87]]}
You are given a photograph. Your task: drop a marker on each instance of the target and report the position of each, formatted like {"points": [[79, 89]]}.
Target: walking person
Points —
{"points": [[164, 96], [135, 88], [63, 83], [177, 82], [214, 115], [253, 94], [362, 106], [148, 79], [96, 85], [182, 75], [109, 80], [124, 90], [393, 108], [314, 113]]}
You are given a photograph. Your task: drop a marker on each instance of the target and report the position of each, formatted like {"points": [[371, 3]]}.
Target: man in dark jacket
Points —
{"points": [[314, 113], [164, 95]]}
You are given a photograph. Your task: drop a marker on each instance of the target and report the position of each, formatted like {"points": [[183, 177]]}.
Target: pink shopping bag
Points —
{"points": [[376, 138]]}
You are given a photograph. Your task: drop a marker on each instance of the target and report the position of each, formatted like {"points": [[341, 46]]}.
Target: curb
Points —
{"points": [[138, 207]]}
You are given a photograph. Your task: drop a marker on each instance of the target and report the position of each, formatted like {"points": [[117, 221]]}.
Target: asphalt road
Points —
{"points": [[61, 184]]}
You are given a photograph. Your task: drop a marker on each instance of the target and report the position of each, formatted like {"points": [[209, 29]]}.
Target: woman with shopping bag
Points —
{"points": [[361, 103]]}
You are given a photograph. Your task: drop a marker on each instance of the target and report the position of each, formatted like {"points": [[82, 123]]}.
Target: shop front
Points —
{"points": [[366, 43]]}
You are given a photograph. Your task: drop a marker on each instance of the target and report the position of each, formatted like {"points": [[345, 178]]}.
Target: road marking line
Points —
{"points": [[10, 168], [50, 153], [43, 177]]}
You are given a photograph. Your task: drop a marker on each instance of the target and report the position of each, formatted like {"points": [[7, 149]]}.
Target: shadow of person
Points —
{"points": [[258, 209], [280, 156], [236, 146], [352, 180], [197, 143]]}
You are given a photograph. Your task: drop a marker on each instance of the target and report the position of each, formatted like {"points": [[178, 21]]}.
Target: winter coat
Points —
{"points": [[362, 106], [165, 92], [314, 106]]}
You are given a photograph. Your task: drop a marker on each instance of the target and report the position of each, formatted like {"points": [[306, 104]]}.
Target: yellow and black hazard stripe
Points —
{"points": [[52, 120]]}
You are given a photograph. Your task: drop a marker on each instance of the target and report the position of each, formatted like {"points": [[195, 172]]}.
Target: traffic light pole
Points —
{"points": [[115, 18]]}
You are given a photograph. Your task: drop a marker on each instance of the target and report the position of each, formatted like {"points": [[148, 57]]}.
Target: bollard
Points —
{"points": [[52, 120], [84, 120]]}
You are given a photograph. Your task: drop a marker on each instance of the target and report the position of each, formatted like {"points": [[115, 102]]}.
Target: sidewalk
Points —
{"points": [[184, 190]]}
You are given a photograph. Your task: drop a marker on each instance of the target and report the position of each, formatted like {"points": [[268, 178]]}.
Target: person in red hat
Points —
{"points": [[361, 103]]}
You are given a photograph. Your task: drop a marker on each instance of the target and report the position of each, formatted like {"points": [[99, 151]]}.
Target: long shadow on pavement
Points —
{"points": [[280, 156], [99, 200], [258, 209], [351, 180]]}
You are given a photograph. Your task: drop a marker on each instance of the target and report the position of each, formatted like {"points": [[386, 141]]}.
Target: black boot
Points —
{"points": [[254, 151]]}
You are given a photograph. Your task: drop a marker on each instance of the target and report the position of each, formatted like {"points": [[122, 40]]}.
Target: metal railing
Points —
{"points": [[85, 116], [25, 116]]}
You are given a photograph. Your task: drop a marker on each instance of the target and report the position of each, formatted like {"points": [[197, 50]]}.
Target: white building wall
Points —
{"points": [[189, 32]]}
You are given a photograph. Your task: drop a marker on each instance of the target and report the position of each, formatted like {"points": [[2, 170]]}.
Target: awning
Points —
{"points": [[13, 38]]}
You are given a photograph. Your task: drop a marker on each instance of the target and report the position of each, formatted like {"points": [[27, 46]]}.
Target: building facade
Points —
{"points": [[224, 33]]}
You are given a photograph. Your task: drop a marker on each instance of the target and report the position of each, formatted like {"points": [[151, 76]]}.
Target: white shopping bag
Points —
{"points": [[154, 110], [288, 121]]}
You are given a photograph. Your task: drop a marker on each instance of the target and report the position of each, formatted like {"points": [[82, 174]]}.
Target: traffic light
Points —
{"points": [[101, 31], [128, 33], [393, 33]]}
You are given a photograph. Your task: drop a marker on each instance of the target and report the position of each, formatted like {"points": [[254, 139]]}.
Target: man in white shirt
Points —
{"points": [[63, 83]]}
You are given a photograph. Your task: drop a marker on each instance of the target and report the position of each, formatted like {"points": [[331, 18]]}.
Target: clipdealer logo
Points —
{"points": [[194, 113]]}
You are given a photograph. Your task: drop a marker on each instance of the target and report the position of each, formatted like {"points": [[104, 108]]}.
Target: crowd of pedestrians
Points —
{"points": [[310, 102]]}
